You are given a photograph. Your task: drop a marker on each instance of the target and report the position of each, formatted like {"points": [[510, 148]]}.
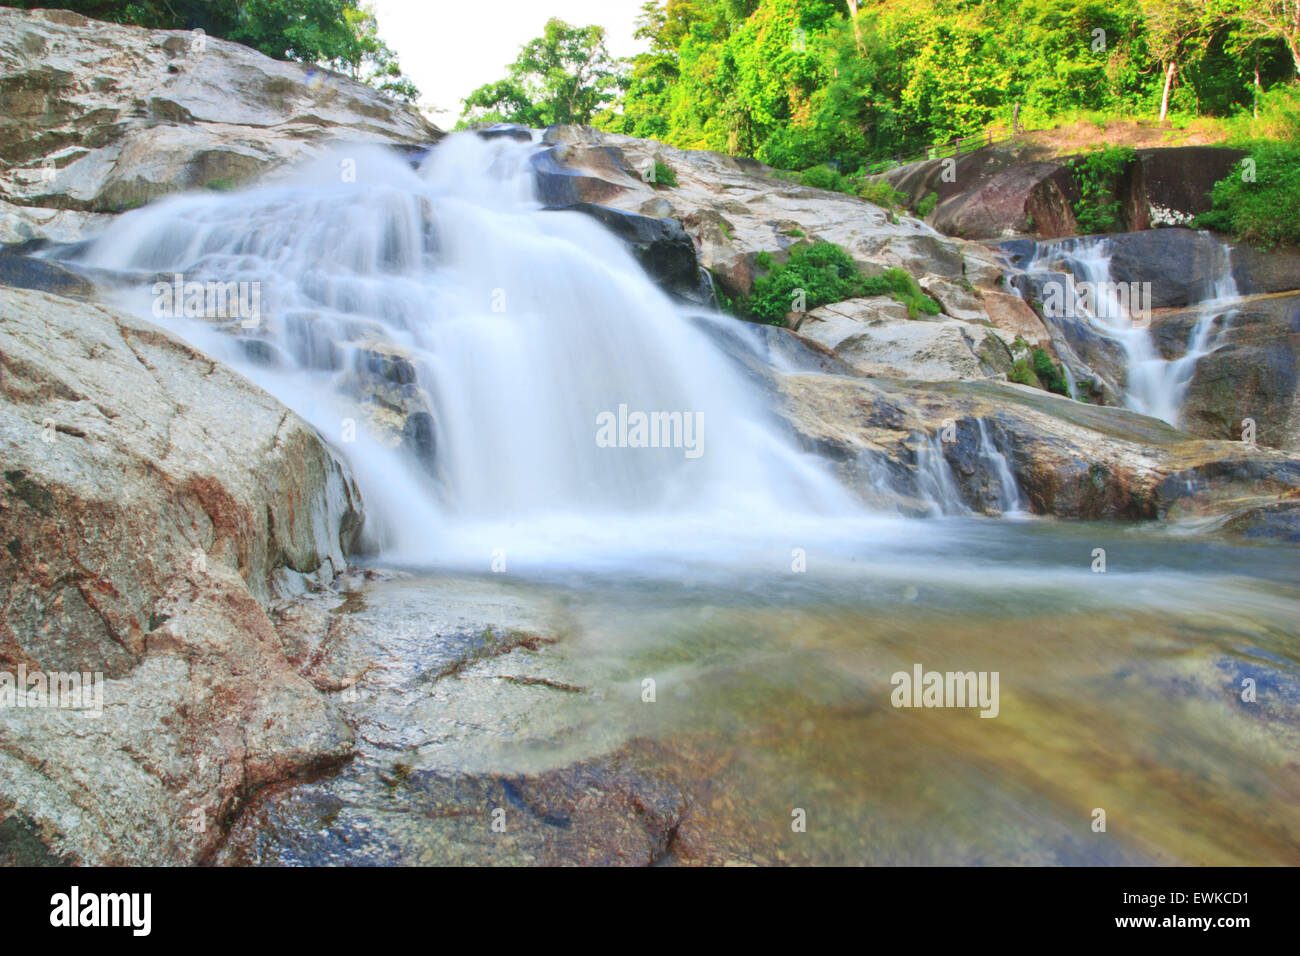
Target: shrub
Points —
{"points": [[1050, 376], [1265, 211], [903, 287], [1097, 174], [826, 273], [1022, 374], [926, 205], [881, 193], [822, 177], [664, 175]]}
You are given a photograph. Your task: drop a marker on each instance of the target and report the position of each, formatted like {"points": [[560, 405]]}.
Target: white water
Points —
{"points": [[522, 326], [1155, 386]]}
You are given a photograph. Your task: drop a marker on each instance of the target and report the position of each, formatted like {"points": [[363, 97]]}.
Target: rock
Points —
{"points": [[1008, 189], [153, 505], [26, 272], [1171, 186], [1012, 315], [100, 117], [958, 301], [1252, 373], [661, 246], [1260, 271], [1069, 459], [450, 685], [734, 208], [1035, 197], [875, 336]]}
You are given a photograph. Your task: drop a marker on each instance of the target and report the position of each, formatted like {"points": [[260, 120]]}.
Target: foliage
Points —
{"points": [[788, 81], [881, 193], [564, 76], [1266, 210], [1050, 376], [823, 272], [926, 205], [1033, 365], [664, 175], [1097, 173]]}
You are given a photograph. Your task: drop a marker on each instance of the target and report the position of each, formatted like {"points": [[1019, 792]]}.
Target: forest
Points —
{"points": [[797, 83]]}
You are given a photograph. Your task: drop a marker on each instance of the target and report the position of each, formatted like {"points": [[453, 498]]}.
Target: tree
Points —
{"points": [[564, 76], [1267, 19], [1171, 25]]}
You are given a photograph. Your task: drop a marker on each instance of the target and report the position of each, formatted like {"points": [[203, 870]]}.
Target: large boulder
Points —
{"points": [[97, 117], [153, 506], [1068, 459], [661, 246], [875, 337], [1251, 373], [1009, 188]]}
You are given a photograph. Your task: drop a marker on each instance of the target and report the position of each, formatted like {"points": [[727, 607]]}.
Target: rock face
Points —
{"points": [[1068, 459], [877, 339], [1252, 371], [1004, 190], [153, 505], [735, 208], [96, 118], [661, 246]]}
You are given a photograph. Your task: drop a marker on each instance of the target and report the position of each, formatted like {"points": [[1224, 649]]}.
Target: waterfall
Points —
{"points": [[1011, 499], [1155, 386], [487, 366]]}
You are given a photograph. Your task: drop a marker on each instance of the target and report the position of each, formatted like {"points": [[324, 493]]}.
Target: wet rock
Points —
{"points": [[1069, 459], [42, 275], [661, 246], [153, 503], [1252, 372]]}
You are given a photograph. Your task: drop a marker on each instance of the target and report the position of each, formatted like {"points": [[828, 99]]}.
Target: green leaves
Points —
{"points": [[564, 76], [821, 273], [1097, 173]]}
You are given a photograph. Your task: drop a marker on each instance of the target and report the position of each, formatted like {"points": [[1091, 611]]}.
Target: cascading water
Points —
{"points": [[520, 330], [1155, 385]]}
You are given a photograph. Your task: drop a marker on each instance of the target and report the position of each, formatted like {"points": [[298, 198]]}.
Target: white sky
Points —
{"points": [[451, 47]]}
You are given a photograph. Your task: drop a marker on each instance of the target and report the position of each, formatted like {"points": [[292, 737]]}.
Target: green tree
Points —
{"points": [[564, 76]]}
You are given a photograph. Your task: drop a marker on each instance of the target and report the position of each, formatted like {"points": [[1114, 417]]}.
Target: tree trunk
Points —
{"points": [[1169, 81], [1256, 108], [853, 16]]}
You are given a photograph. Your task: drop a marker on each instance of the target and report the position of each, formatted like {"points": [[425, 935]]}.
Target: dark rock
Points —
{"points": [[1258, 271], [42, 275], [559, 184], [1252, 373], [661, 246], [513, 131]]}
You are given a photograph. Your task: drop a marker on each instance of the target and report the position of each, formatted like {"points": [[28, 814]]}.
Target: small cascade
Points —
{"points": [[1010, 499], [936, 483], [1154, 385]]}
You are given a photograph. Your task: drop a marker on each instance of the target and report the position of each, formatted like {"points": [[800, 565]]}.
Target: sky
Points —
{"points": [[452, 47]]}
